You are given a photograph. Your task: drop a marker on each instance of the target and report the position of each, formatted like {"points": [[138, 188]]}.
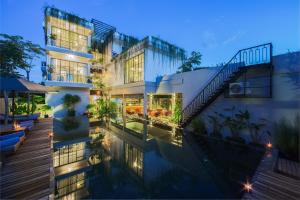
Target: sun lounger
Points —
{"points": [[27, 124], [20, 135], [10, 145]]}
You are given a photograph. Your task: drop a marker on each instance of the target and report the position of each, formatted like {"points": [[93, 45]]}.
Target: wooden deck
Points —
{"points": [[289, 168], [269, 184], [26, 173]]}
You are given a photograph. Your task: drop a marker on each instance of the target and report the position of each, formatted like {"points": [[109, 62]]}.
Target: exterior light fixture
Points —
{"points": [[70, 56], [269, 145], [50, 134], [248, 186]]}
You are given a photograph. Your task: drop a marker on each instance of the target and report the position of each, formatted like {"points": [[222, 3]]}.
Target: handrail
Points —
{"points": [[259, 54]]}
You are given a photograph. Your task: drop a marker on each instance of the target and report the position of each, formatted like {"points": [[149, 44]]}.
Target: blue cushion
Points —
{"points": [[9, 142], [12, 135]]}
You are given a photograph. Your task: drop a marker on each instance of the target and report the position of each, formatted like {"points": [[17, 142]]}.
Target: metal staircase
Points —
{"points": [[260, 55]]}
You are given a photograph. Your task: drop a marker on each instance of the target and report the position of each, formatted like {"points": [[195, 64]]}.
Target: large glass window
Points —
{"points": [[69, 154], [68, 71], [134, 69], [69, 40], [69, 35], [70, 184]]}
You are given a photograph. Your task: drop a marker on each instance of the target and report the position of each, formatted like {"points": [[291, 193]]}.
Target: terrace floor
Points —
{"points": [[269, 184], [26, 173]]}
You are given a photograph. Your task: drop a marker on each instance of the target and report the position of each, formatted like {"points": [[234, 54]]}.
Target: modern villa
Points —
{"points": [[140, 76], [115, 117]]}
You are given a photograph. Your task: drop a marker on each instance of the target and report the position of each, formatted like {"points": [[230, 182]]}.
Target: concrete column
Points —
{"points": [[145, 106]]}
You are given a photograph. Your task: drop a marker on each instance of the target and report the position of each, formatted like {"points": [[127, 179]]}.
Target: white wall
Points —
{"points": [[188, 83], [284, 102], [157, 64], [54, 99]]}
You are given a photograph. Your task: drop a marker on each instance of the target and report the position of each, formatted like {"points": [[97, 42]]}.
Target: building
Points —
{"points": [[140, 77]]}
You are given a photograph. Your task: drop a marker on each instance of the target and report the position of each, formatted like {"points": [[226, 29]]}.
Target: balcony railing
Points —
{"points": [[68, 45], [71, 78]]}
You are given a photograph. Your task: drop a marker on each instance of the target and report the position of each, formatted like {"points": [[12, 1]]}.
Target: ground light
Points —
{"points": [[247, 186], [269, 145], [50, 134]]}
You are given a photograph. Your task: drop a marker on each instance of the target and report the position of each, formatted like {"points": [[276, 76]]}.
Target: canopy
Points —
{"points": [[20, 85]]}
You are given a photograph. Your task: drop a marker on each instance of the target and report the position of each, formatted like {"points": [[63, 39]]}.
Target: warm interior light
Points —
{"points": [[248, 187]]}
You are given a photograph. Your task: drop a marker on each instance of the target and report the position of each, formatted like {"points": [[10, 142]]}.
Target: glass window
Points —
{"points": [[68, 71], [69, 35], [134, 69], [69, 154]]}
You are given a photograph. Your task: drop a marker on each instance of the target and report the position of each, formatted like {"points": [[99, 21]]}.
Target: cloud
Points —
{"points": [[234, 37]]}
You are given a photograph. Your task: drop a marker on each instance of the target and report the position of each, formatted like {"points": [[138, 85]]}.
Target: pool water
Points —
{"points": [[95, 163]]}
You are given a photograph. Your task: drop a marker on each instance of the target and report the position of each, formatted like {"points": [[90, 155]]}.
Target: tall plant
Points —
{"points": [[191, 62], [177, 115], [216, 123]]}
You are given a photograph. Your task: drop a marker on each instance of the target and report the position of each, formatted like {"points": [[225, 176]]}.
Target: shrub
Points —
{"points": [[199, 126], [287, 137]]}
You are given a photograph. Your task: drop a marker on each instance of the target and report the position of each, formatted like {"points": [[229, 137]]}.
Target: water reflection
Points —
{"points": [[93, 162]]}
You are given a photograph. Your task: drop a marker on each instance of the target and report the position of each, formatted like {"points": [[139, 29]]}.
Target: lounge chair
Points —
{"points": [[9, 145], [19, 134], [27, 124]]}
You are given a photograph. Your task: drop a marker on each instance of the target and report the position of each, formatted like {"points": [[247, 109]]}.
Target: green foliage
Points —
{"points": [[44, 108], [191, 63], [17, 53], [287, 137], [177, 115], [216, 123], [244, 118], [69, 102], [21, 104], [199, 126], [106, 109]]}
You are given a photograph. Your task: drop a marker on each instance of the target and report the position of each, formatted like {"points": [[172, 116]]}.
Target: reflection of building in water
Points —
{"points": [[70, 163], [67, 154], [134, 159], [72, 187]]}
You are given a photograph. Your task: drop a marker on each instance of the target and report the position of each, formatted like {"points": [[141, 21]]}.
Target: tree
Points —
{"points": [[17, 53], [190, 63]]}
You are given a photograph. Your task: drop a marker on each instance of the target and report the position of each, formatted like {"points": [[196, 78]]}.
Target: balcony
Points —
{"points": [[68, 47], [70, 80]]}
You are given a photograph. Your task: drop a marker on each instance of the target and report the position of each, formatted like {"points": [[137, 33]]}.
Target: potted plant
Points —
{"points": [[50, 70], [53, 36], [199, 127], [44, 109]]}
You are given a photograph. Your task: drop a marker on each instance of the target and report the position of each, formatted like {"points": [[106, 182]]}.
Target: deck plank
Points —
{"points": [[269, 184], [26, 174]]}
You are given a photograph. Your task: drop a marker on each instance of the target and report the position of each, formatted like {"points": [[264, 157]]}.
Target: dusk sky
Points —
{"points": [[218, 29]]}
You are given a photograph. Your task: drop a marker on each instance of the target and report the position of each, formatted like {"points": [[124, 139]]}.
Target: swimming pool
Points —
{"points": [[93, 162]]}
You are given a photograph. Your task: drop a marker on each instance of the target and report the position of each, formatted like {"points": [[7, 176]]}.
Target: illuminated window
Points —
{"points": [[69, 35], [68, 71], [134, 69], [69, 154], [70, 184]]}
